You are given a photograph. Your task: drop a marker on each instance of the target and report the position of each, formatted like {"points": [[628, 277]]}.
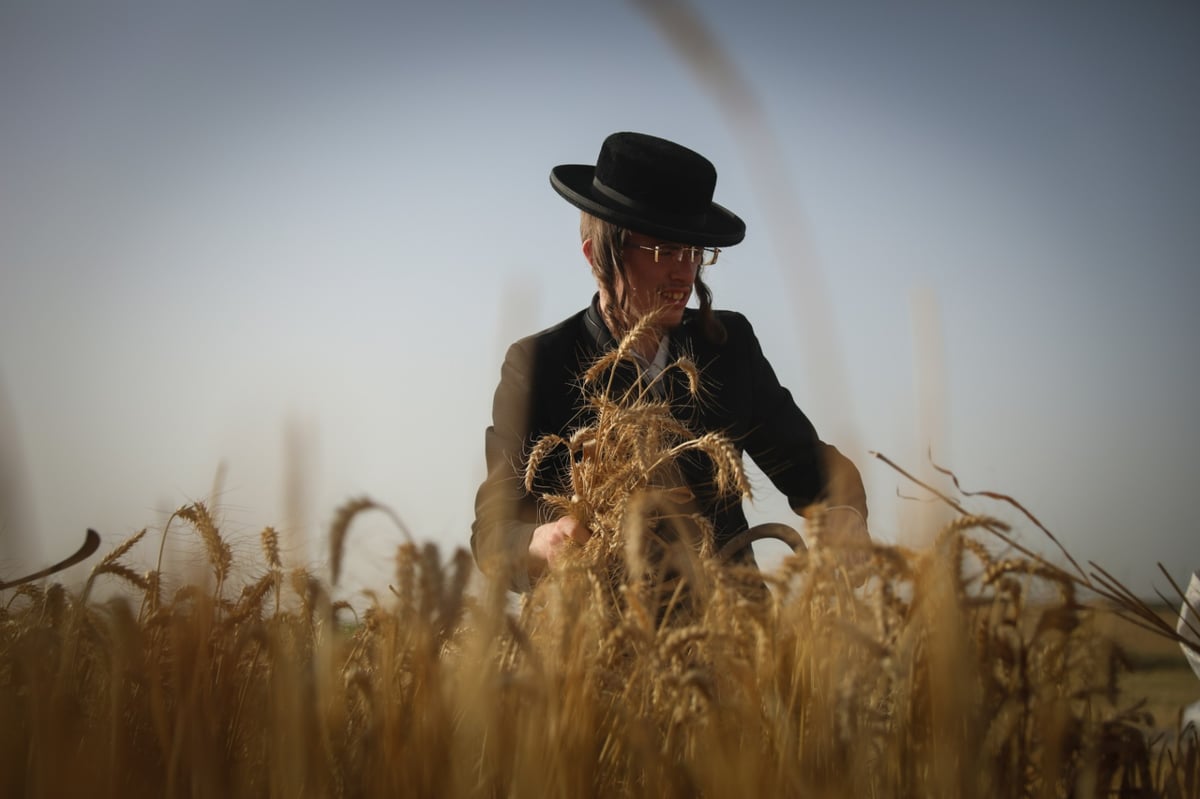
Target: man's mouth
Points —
{"points": [[674, 297]]}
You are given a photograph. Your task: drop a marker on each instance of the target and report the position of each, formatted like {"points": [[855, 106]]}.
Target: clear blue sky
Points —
{"points": [[223, 230]]}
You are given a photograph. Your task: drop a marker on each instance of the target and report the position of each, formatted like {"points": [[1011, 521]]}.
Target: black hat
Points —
{"points": [[651, 186]]}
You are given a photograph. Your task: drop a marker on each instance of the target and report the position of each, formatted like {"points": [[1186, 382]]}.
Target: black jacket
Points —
{"points": [[539, 394]]}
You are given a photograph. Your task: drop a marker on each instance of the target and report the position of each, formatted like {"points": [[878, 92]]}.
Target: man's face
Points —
{"points": [[666, 284]]}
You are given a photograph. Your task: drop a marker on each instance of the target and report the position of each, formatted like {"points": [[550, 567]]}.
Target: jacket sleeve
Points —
{"points": [[784, 443], [505, 515]]}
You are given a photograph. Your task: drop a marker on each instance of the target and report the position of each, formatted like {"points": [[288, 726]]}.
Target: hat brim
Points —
{"points": [[717, 227]]}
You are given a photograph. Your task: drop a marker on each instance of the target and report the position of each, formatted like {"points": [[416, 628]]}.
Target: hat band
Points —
{"points": [[637, 205]]}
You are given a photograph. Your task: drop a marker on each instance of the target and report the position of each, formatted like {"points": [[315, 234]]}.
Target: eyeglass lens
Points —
{"points": [[696, 255]]}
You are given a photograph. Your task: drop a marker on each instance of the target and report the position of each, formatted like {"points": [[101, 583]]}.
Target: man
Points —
{"points": [[649, 227]]}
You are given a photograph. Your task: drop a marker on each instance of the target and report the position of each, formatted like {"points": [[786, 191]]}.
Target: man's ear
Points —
{"points": [[587, 252]]}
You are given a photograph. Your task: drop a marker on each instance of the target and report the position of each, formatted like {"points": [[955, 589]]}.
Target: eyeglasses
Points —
{"points": [[702, 256]]}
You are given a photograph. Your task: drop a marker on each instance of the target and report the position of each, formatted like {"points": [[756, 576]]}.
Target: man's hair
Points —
{"points": [[608, 248]]}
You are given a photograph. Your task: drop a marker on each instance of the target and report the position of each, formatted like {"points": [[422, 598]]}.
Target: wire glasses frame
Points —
{"points": [[702, 256]]}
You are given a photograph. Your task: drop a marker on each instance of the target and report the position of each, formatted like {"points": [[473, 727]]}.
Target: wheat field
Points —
{"points": [[880, 672], [922, 682]]}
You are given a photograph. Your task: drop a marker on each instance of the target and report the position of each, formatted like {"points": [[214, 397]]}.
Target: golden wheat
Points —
{"points": [[817, 690], [936, 675]]}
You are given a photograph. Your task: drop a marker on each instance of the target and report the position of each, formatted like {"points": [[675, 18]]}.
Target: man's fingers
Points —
{"points": [[549, 539], [579, 533]]}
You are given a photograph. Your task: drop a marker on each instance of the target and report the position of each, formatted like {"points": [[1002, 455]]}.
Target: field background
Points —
{"points": [[1158, 670]]}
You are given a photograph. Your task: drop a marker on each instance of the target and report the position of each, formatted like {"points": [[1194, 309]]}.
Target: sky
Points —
{"points": [[273, 256]]}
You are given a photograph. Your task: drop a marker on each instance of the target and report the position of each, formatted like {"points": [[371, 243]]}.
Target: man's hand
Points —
{"points": [[845, 527], [546, 545], [845, 531]]}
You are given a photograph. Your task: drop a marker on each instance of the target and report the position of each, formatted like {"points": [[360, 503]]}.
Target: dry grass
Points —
{"points": [[892, 674]]}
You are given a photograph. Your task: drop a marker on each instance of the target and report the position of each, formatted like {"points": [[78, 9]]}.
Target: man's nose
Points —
{"points": [[683, 268]]}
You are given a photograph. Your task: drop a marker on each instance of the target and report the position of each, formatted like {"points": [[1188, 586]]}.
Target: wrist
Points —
{"points": [[851, 509]]}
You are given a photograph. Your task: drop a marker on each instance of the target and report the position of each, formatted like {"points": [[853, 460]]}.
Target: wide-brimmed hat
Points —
{"points": [[651, 186]]}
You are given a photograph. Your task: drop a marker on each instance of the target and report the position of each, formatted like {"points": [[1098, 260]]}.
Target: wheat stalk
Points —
{"points": [[219, 554], [110, 564], [340, 528]]}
